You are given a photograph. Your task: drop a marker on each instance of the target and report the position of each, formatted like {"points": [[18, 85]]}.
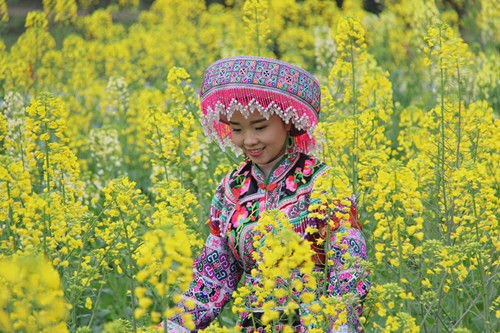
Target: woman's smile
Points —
{"points": [[255, 152]]}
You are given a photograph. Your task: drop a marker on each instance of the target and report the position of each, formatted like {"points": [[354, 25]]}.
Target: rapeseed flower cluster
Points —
{"points": [[32, 298], [121, 230], [359, 98], [166, 271], [15, 125], [284, 266], [399, 192], [4, 14], [16, 183], [41, 188], [256, 19], [332, 191], [50, 159], [173, 132], [164, 258], [41, 185], [105, 154], [436, 188], [28, 53], [60, 10]]}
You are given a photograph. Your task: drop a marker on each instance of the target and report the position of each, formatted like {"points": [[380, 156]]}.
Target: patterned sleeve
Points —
{"points": [[348, 276], [216, 274]]}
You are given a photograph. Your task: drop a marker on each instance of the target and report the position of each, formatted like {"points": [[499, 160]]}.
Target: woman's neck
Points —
{"points": [[266, 168]]}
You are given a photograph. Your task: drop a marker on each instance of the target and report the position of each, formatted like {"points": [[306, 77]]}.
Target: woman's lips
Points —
{"points": [[255, 152]]}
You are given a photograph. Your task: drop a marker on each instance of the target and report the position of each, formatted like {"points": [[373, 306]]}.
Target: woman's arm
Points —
{"points": [[341, 248], [216, 274], [348, 276]]}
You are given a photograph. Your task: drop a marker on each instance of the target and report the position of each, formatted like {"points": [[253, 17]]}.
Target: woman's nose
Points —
{"points": [[250, 138]]}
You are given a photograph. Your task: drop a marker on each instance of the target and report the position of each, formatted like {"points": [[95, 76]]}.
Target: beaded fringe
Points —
{"points": [[219, 106]]}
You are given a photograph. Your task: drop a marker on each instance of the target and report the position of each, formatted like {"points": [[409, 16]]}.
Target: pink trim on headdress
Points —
{"points": [[226, 100]]}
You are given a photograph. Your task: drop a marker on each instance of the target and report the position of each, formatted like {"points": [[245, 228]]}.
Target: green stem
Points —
{"points": [[161, 150], [10, 219], [80, 292], [63, 191], [429, 309], [441, 150], [86, 235], [21, 153], [130, 273], [459, 126], [355, 131], [457, 157], [95, 305], [400, 250], [44, 233], [481, 266], [179, 153], [473, 302], [47, 162]]}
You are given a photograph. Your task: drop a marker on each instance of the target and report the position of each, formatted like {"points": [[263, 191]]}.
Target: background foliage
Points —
{"points": [[103, 160]]}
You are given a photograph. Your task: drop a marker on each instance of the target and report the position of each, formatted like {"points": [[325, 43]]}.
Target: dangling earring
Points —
{"points": [[290, 147]]}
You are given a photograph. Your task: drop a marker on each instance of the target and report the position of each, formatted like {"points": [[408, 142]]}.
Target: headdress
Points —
{"points": [[271, 86]]}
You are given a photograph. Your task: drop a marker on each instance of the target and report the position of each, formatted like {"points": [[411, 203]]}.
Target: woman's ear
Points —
{"points": [[288, 127]]}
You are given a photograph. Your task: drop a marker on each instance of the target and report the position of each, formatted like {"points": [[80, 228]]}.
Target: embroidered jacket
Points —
{"points": [[240, 199]]}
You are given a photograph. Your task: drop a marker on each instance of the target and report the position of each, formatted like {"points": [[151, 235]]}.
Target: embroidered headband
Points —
{"points": [[271, 86]]}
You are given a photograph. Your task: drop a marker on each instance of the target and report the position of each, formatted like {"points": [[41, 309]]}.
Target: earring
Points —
{"points": [[290, 146], [246, 158]]}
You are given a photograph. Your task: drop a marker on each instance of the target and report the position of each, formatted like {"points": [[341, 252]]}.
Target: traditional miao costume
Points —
{"points": [[271, 87]]}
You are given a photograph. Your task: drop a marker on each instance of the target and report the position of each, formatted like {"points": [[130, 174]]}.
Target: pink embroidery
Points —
{"points": [[262, 205], [308, 167], [215, 296], [279, 170], [344, 279], [239, 217], [291, 184], [245, 186]]}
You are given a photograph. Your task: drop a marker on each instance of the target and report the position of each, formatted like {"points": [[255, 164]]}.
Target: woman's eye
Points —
{"points": [[235, 130], [260, 128]]}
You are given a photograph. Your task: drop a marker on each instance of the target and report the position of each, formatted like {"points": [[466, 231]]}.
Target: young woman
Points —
{"points": [[266, 109]]}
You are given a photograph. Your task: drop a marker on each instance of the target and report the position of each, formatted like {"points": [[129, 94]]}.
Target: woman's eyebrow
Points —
{"points": [[251, 123], [257, 121]]}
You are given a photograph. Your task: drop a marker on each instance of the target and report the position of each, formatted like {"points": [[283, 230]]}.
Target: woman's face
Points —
{"points": [[262, 140]]}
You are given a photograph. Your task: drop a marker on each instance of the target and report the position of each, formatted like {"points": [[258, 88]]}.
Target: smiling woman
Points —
{"points": [[267, 109]]}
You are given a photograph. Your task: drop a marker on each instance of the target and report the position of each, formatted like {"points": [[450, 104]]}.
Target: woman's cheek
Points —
{"points": [[236, 138]]}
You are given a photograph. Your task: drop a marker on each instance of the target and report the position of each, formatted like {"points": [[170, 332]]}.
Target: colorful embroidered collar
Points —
{"points": [[277, 172]]}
